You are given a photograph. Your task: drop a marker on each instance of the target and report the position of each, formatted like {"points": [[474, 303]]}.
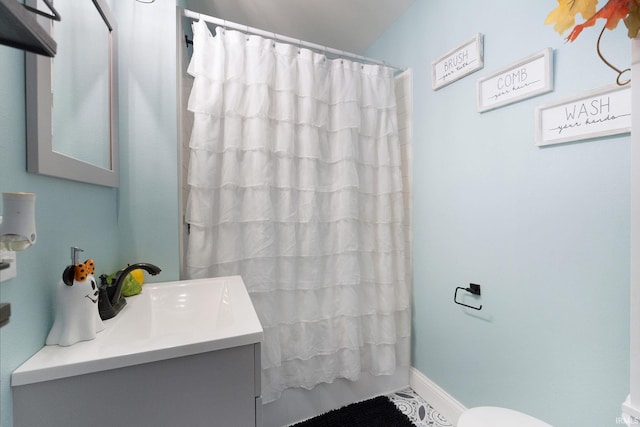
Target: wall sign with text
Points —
{"points": [[526, 78], [601, 112], [457, 63]]}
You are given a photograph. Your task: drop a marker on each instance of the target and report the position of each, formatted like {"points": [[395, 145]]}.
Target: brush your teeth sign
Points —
{"points": [[597, 113], [458, 62]]}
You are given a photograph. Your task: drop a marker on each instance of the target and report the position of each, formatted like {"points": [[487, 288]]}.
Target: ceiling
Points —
{"points": [[349, 25]]}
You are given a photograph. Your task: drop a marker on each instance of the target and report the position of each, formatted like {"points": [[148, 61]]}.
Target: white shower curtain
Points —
{"points": [[295, 183]]}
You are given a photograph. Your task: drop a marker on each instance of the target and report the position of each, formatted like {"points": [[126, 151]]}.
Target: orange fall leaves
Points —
{"points": [[613, 11]]}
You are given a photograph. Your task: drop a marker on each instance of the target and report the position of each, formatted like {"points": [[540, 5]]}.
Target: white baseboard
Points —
{"points": [[441, 401]]}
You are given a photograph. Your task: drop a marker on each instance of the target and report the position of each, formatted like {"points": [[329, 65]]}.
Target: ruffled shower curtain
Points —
{"points": [[295, 184]]}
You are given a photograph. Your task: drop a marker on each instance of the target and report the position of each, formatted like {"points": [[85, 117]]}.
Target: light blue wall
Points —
{"points": [[544, 231], [148, 215], [138, 222]]}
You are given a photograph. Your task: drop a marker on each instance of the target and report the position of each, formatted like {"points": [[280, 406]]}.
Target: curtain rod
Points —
{"points": [[246, 29]]}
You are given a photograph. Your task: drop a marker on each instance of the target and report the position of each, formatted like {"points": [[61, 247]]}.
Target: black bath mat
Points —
{"points": [[376, 412]]}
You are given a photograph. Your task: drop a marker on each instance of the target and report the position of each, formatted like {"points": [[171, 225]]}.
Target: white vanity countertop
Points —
{"points": [[165, 321]]}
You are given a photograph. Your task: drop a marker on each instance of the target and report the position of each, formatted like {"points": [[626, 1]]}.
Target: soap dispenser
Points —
{"points": [[77, 317]]}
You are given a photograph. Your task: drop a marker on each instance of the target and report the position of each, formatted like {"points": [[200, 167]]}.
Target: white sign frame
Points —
{"points": [[458, 62], [499, 88], [588, 120]]}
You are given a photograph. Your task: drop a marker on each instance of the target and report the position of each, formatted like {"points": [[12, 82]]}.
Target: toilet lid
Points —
{"points": [[491, 416]]}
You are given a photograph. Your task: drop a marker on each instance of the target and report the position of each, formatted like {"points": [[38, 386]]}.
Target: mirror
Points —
{"points": [[72, 99]]}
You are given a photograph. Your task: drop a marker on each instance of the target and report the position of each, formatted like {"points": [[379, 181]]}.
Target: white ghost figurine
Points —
{"points": [[77, 318]]}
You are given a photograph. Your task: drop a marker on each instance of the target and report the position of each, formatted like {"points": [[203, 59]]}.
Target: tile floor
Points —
{"points": [[417, 409]]}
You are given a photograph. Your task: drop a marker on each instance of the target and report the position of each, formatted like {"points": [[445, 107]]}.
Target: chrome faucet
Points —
{"points": [[111, 301]]}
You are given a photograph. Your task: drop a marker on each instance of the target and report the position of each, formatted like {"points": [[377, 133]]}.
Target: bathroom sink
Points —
{"points": [[167, 320]]}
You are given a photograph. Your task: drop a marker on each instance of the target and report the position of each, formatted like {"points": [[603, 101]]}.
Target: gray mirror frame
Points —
{"points": [[41, 158]]}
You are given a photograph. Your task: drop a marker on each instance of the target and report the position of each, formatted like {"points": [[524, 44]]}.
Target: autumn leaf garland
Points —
{"points": [[563, 17]]}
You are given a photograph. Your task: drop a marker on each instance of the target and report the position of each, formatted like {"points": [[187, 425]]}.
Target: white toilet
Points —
{"points": [[491, 416]]}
